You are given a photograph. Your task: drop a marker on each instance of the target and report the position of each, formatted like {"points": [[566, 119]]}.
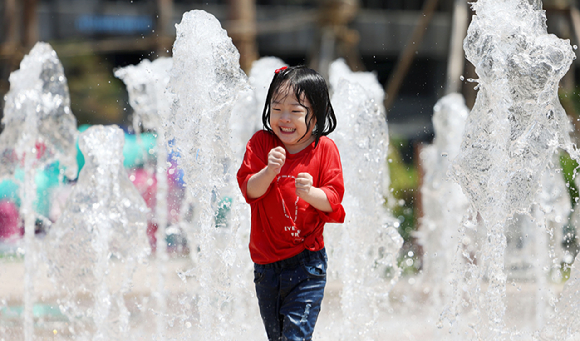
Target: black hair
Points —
{"points": [[305, 82]]}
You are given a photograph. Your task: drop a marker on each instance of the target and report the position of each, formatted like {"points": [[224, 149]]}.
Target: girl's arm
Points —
{"points": [[312, 195], [258, 183]]}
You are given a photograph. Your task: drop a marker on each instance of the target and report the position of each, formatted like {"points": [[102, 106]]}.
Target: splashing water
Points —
{"points": [[102, 228], [440, 225], [510, 135], [39, 129], [564, 323], [205, 80], [366, 246], [513, 130], [146, 84], [37, 116], [368, 80], [247, 114], [524, 245]]}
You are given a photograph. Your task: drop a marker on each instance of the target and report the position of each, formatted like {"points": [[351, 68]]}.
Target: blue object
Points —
{"points": [[114, 24], [136, 151], [290, 294], [9, 191]]}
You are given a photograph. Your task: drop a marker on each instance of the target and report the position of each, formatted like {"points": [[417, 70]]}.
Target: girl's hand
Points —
{"points": [[276, 159], [303, 184], [258, 183]]}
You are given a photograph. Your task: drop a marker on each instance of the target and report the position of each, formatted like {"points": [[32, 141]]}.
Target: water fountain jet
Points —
{"points": [[512, 133], [39, 129]]}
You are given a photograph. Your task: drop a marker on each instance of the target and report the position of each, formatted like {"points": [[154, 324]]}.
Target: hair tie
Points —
{"points": [[280, 69]]}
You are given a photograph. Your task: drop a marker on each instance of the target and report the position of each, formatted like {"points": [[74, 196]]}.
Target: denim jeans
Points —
{"points": [[290, 294]]}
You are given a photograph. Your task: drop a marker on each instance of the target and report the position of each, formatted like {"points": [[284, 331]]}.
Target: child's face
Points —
{"points": [[288, 119]]}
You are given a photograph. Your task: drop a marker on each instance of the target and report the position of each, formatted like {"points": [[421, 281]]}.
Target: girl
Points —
{"points": [[292, 178]]}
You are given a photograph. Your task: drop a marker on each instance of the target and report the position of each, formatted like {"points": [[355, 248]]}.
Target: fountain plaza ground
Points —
{"points": [[409, 316]]}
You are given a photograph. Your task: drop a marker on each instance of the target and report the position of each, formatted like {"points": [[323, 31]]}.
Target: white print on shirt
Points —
{"points": [[292, 229]]}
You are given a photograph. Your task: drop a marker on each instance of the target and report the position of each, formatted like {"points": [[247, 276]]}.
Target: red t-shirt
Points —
{"points": [[283, 225]]}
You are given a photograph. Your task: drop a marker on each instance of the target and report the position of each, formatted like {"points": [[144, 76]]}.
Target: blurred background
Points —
{"points": [[413, 46]]}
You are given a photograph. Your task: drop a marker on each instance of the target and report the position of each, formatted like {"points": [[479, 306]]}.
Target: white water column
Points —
{"points": [[39, 129], [512, 133]]}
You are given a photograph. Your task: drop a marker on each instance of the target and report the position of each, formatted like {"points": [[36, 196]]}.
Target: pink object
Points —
{"points": [[9, 221], [146, 184]]}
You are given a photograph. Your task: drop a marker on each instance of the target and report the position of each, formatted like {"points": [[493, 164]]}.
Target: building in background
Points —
{"points": [[372, 35]]}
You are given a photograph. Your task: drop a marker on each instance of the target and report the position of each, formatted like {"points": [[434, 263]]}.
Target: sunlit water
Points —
{"points": [[102, 227], [147, 87], [107, 288], [511, 135], [440, 225], [363, 251], [39, 129]]}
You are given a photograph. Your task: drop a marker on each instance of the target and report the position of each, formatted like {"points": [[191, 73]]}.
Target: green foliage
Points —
{"points": [[408, 263], [569, 168], [404, 176], [404, 187], [10, 255]]}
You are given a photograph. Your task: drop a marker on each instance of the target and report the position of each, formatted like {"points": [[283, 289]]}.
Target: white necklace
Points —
{"points": [[295, 202], [292, 229]]}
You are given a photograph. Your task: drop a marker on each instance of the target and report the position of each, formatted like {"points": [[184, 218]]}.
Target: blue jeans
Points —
{"points": [[290, 293]]}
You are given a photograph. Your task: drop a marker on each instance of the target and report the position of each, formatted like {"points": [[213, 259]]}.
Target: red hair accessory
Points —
{"points": [[280, 69]]}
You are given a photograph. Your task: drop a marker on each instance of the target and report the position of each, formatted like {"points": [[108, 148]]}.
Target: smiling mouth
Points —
{"points": [[287, 130]]}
